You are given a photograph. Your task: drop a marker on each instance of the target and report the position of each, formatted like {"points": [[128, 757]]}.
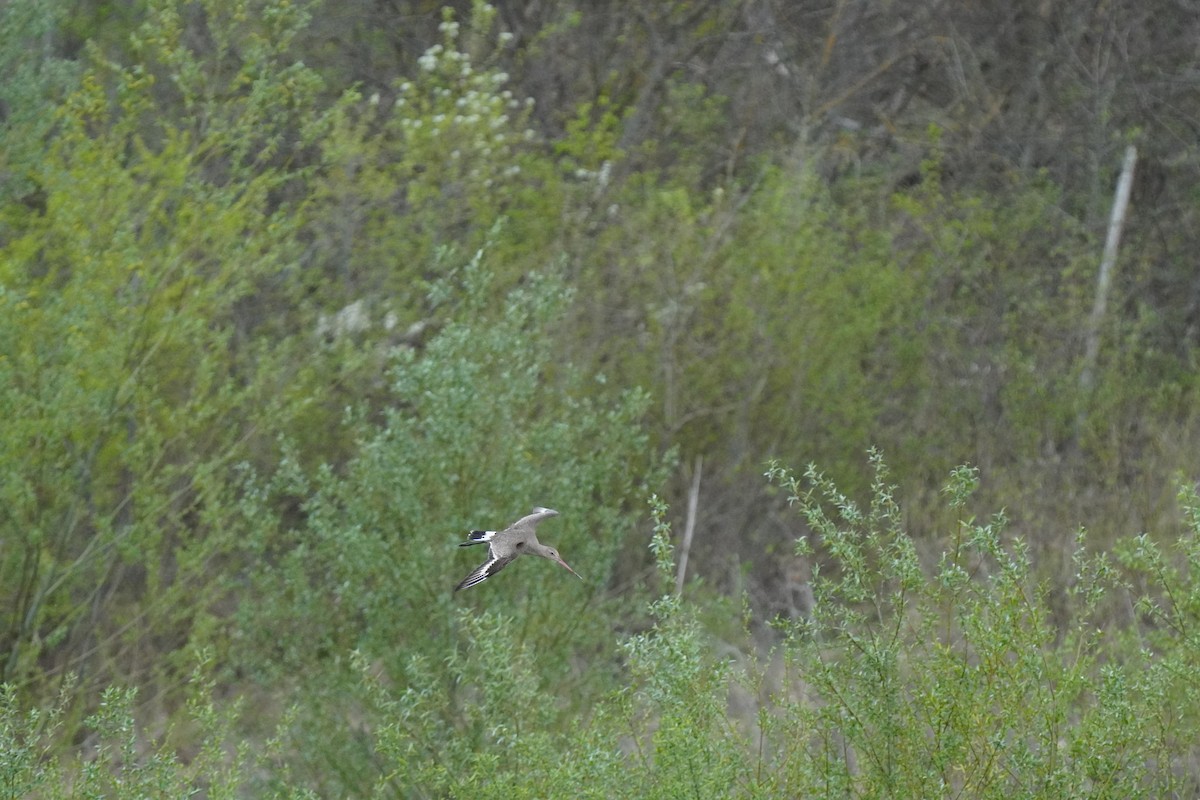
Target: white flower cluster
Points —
{"points": [[462, 116]]}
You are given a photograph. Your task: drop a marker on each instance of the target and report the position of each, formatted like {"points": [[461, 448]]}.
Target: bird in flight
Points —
{"points": [[518, 539]]}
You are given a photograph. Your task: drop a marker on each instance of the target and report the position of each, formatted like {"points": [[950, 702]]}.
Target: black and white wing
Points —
{"points": [[478, 537], [485, 570]]}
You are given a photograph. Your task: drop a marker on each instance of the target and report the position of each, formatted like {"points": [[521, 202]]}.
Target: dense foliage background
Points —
{"points": [[293, 294]]}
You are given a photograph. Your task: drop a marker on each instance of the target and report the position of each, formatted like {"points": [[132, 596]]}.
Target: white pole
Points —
{"points": [[1104, 282]]}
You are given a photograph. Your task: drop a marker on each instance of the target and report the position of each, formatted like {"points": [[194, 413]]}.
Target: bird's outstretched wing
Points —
{"points": [[485, 570], [534, 518]]}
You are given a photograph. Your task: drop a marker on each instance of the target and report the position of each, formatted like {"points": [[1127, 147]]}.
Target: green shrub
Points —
{"points": [[914, 677], [35, 82], [432, 162], [948, 676], [482, 425], [128, 376], [118, 757]]}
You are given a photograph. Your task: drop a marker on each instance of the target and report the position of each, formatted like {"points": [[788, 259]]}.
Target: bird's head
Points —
{"points": [[552, 554]]}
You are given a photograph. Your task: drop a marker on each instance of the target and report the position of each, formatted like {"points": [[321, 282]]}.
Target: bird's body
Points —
{"points": [[504, 546]]}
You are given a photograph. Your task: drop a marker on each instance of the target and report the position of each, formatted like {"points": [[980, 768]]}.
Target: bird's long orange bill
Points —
{"points": [[568, 567]]}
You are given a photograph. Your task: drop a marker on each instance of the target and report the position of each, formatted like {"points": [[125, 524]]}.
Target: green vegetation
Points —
{"points": [[910, 679], [290, 299]]}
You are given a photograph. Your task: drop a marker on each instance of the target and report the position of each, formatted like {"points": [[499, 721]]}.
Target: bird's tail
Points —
{"points": [[477, 537]]}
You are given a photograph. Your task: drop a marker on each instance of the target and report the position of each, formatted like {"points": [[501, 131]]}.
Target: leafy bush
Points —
{"points": [[431, 162], [913, 677], [482, 425], [118, 758], [36, 80], [129, 375], [928, 678]]}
